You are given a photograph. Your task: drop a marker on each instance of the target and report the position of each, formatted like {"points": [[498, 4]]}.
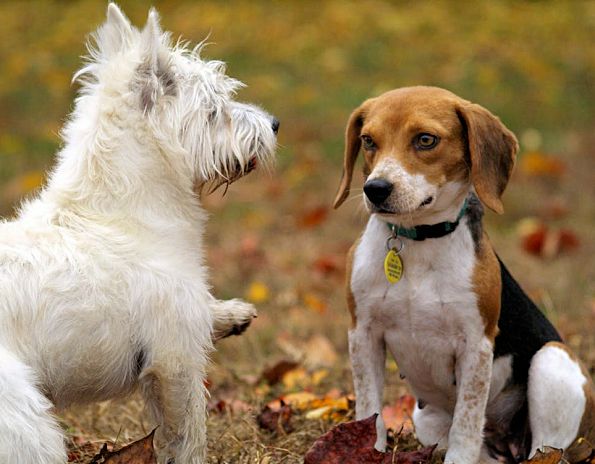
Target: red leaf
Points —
{"points": [[539, 240], [312, 217], [327, 264], [353, 443], [568, 240]]}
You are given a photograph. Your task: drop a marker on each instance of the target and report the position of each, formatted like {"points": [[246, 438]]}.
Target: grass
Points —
{"points": [[311, 63]]}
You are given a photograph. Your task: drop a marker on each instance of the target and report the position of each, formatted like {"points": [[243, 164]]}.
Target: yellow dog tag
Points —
{"points": [[393, 266]]}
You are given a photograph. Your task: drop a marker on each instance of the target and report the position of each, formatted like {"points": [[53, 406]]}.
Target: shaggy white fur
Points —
{"points": [[103, 286]]}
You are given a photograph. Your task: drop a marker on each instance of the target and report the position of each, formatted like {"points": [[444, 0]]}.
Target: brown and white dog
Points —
{"points": [[493, 380]]}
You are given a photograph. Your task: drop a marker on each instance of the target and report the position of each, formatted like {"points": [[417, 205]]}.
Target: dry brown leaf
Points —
{"points": [[547, 456], [276, 420], [233, 406], [275, 374], [139, 452]]}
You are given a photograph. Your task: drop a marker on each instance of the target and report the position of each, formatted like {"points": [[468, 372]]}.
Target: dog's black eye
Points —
{"points": [[425, 141], [368, 143]]}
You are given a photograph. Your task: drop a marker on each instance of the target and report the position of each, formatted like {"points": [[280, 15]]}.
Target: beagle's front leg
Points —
{"points": [[473, 375], [368, 354]]}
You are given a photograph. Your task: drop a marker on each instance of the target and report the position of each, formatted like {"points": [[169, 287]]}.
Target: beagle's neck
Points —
{"points": [[428, 231]]}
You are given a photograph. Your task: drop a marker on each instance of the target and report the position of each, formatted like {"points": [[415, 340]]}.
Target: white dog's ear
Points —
{"points": [[155, 75], [115, 34]]}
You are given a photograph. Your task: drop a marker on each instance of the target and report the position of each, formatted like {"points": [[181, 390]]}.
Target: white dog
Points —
{"points": [[102, 277]]}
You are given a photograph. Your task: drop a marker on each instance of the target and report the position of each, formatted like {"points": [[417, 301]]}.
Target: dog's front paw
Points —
{"points": [[460, 457], [232, 317]]}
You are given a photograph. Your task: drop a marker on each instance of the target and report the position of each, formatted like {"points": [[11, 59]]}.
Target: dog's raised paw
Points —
{"points": [[232, 317]]}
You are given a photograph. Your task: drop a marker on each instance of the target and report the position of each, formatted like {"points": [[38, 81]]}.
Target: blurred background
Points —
{"points": [[274, 239]]}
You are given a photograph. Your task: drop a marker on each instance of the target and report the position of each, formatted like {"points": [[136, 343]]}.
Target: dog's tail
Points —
{"points": [[28, 432]]}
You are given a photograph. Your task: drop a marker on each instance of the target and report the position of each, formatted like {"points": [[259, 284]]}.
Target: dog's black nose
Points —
{"points": [[275, 125], [378, 190]]}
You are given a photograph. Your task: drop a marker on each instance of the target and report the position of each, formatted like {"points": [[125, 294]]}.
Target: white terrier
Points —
{"points": [[102, 277]]}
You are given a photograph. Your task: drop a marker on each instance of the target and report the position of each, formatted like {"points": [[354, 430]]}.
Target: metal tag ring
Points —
{"points": [[401, 244]]}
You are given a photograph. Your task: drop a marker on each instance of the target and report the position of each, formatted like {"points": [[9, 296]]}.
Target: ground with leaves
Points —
{"points": [[273, 239]]}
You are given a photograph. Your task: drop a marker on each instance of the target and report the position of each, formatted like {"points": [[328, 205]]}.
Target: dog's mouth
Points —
{"points": [[426, 202], [237, 173], [384, 211]]}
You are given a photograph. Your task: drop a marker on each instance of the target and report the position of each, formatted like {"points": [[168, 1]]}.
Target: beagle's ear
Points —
{"points": [[352, 146], [492, 149]]}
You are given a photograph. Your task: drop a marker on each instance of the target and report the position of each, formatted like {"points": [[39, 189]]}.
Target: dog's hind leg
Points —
{"points": [[556, 396], [231, 317], [28, 432], [175, 395]]}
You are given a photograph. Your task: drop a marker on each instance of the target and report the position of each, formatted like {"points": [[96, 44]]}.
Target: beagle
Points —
{"points": [[493, 380]]}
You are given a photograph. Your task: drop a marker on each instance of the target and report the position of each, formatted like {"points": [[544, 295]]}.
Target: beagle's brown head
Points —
{"points": [[424, 148]]}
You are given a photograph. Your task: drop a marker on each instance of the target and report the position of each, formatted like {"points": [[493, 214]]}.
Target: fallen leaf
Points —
{"points": [[327, 264], [398, 415], [299, 400], [275, 420], [275, 374], [233, 406], [353, 443], [296, 378], [539, 240], [536, 163], [312, 217], [314, 303], [580, 451], [547, 456], [139, 452], [257, 292], [318, 376]]}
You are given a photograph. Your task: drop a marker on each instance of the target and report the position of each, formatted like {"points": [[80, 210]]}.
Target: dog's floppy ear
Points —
{"points": [[155, 76], [492, 149], [352, 146], [115, 34]]}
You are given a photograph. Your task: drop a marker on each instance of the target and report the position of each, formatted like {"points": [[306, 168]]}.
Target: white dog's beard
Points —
{"points": [[236, 174]]}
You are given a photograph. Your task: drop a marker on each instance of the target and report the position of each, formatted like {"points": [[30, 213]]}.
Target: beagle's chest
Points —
{"points": [[428, 316]]}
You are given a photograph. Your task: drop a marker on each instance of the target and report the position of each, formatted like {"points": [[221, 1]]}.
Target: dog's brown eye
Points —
{"points": [[425, 141], [368, 143]]}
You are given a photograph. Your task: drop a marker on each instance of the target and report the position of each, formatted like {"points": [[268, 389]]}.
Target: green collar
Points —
{"points": [[424, 231]]}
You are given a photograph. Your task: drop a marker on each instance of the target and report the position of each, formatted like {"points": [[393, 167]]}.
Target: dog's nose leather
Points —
{"points": [[275, 125], [378, 190]]}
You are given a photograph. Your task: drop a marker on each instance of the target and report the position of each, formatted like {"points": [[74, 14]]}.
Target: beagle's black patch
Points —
{"points": [[523, 327]]}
